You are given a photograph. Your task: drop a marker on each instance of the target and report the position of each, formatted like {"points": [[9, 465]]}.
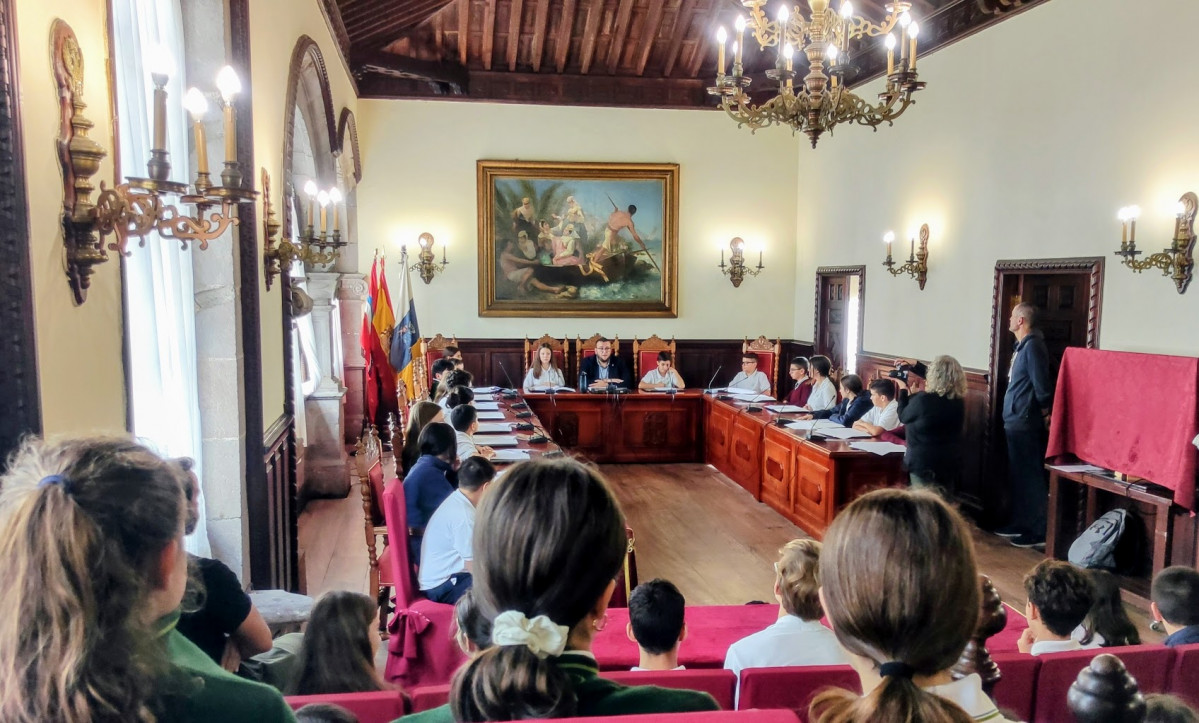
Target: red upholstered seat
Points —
{"points": [[429, 696], [645, 353], [1149, 664], [720, 716], [793, 687], [559, 359], [383, 706], [720, 683], [768, 357], [421, 649], [559, 347], [1184, 677], [1016, 690]]}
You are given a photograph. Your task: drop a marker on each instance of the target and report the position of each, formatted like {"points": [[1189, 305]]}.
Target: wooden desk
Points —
{"points": [[534, 450], [632, 427]]}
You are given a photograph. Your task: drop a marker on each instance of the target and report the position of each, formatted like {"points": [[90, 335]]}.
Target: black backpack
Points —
{"points": [[1096, 546]]}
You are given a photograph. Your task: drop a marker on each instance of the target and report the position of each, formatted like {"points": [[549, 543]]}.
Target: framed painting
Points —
{"points": [[578, 239]]}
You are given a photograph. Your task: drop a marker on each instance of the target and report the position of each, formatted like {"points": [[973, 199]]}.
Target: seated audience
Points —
{"points": [[445, 557], [217, 614], [1162, 708], [852, 406], [656, 624], [1059, 598], [798, 396], [466, 422], [883, 415], [457, 397], [933, 419], [544, 373], [472, 631], [440, 369], [604, 369], [93, 571], [550, 541], [749, 377], [324, 713], [432, 479], [824, 394], [456, 378], [421, 414], [662, 376], [1175, 601], [1107, 624], [900, 585], [338, 653], [797, 638]]}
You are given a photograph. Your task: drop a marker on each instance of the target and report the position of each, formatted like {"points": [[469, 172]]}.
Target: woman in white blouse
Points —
{"points": [[824, 394], [544, 374]]}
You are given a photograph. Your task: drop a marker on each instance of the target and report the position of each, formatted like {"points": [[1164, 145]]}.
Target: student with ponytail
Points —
{"points": [[902, 592], [93, 570], [549, 541]]}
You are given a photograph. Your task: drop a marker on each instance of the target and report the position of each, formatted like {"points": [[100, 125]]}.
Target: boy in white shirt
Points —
{"points": [[1059, 598], [656, 624], [465, 421], [662, 376], [446, 554], [749, 377], [884, 415]]}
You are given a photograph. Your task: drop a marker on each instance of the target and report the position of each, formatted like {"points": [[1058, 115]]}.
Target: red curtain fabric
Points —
{"points": [[1133, 413]]}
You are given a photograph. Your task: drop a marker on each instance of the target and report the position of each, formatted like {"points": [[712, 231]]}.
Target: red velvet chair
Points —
{"points": [[369, 461], [1149, 664], [421, 649], [560, 348], [429, 696], [645, 354], [793, 687], [1016, 690], [720, 683], [768, 357], [1184, 677], [381, 707], [721, 716], [434, 349]]}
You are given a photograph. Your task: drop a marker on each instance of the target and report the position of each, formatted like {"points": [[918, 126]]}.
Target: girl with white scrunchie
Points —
{"points": [[549, 543]]}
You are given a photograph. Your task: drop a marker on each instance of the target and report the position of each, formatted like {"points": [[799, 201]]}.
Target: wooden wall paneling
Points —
{"points": [[662, 430], [779, 450], [279, 465], [745, 453], [812, 501]]}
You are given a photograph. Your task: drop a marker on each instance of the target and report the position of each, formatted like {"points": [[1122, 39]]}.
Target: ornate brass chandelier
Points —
{"points": [[821, 100]]}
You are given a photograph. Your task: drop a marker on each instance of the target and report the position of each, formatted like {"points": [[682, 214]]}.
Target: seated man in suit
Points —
{"points": [[605, 368], [445, 557], [884, 415], [749, 377]]}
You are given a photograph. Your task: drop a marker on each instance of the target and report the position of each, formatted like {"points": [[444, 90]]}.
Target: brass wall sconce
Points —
{"points": [[312, 246], [136, 208], [736, 269], [426, 264], [1177, 261], [917, 264]]}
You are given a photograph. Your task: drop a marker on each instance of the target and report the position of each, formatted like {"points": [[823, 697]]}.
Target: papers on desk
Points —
{"points": [[490, 416], [1077, 468], [663, 390], [801, 424], [510, 455], [487, 406], [484, 397], [550, 390], [495, 440], [739, 392], [841, 432], [485, 390], [879, 448], [494, 427], [784, 408]]}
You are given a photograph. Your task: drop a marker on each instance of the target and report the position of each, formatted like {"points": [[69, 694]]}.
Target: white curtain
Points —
{"points": [[159, 297]]}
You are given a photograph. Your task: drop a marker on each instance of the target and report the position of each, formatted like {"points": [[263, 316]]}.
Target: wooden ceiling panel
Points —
{"points": [[593, 52]]}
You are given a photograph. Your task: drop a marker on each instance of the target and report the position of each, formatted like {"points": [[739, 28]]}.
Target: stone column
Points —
{"points": [[325, 458]]}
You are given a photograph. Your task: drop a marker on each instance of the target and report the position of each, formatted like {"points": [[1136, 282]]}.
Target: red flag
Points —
{"points": [[380, 378]]}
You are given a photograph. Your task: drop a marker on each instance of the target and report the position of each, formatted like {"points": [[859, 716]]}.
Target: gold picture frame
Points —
{"points": [[561, 239]]}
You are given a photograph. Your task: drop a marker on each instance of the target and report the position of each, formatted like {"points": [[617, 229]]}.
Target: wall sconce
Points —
{"points": [[311, 247], [1177, 261], [136, 208], [736, 269], [917, 264], [426, 264]]}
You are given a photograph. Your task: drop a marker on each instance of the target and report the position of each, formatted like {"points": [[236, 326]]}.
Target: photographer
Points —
{"points": [[932, 408]]}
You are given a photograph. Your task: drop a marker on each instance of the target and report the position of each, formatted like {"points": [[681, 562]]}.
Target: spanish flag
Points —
{"points": [[405, 341], [377, 327]]}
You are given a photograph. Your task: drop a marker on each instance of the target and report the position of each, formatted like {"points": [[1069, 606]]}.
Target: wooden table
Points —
{"points": [[632, 427], [522, 437]]}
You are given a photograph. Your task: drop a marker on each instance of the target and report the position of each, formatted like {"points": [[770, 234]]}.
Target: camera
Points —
{"points": [[900, 372]]}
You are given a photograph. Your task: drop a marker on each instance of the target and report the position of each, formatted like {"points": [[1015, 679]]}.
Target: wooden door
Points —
{"points": [[837, 288]]}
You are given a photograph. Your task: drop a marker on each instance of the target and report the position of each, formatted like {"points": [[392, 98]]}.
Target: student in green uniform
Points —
{"points": [[92, 559], [549, 542]]}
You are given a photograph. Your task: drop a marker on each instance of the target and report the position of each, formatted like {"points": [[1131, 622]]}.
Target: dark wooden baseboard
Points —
{"points": [[273, 533]]}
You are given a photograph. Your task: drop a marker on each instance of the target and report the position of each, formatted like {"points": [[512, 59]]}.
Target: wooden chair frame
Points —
{"points": [[424, 367], [588, 344], [561, 346], [369, 454], [654, 344], [763, 345]]}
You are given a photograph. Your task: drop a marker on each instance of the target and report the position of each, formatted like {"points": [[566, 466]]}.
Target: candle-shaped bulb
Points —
{"points": [[831, 51], [228, 83], [889, 237], [335, 199], [913, 30], [788, 51], [784, 15], [161, 63], [912, 232], [890, 41], [1122, 214], [1134, 212], [195, 103], [334, 195], [847, 9], [740, 24], [721, 36], [905, 19], [310, 189], [322, 198]]}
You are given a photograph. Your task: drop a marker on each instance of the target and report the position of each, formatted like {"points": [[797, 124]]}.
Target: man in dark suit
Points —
{"points": [[604, 369]]}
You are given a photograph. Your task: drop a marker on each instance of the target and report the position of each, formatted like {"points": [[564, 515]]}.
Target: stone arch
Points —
{"points": [[309, 97]]}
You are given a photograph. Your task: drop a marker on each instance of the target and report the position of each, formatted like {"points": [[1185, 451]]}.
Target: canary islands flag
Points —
{"points": [[406, 339]]}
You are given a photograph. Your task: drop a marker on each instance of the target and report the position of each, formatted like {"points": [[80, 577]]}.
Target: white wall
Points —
{"points": [[1027, 140], [423, 153]]}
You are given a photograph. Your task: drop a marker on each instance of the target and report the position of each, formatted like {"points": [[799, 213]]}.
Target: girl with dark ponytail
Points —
{"points": [[549, 541], [902, 592]]}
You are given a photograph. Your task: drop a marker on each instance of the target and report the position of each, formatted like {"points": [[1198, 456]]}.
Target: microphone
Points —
{"points": [[751, 407], [511, 386], [812, 428], [709, 390]]}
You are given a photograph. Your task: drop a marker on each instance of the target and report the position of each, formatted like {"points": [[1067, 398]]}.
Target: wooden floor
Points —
{"points": [[694, 527]]}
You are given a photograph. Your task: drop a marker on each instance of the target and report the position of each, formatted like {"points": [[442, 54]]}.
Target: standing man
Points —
{"points": [[604, 368], [1026, 408]]}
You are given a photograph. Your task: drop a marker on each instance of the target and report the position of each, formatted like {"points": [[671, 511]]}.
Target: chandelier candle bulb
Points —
{"points": [[740, 44], [310, 192], [162, 65], [1179, 211], [229, 85], [788, 53], [196, 105], [888, 238], [335, 199], [913, 29], [721, 38], [890, 43], [323, 199]]}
